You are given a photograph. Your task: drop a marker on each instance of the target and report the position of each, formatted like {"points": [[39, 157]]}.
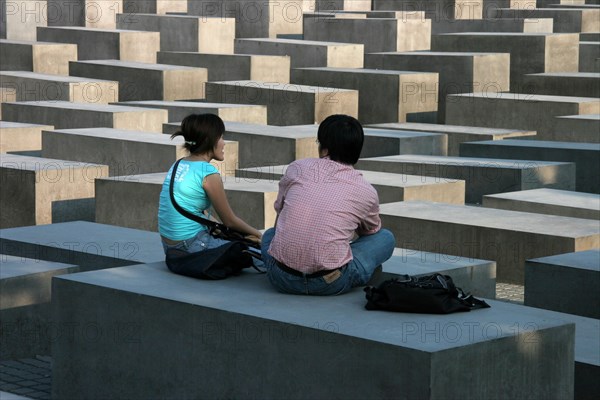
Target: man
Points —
{"points": [[322, 204]]}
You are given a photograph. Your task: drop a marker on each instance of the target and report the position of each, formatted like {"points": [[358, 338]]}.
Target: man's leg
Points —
{"points": [[368, 253]]}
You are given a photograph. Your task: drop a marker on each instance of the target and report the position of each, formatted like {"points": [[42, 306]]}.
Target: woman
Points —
{"points": [[197, 186]]}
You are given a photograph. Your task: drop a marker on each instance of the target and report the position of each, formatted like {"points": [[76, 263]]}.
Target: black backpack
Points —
{"points": [[431, 294]]}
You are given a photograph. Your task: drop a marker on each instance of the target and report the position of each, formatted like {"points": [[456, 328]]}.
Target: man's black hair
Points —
{"points": [[343, 137]]}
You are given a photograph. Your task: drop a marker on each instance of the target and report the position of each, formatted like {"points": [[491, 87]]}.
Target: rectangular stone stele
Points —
{"points": [[589, 56], [456, 134], [385, 95], [530, 53], [184, 32], [99, 14], [25, 305], [87, 244], [18, 137], [306, 53], [403, 34], [575, 20], [436, 9], [21, 18], [67, 115], [169, 82], [40, 57], [586, 156], [251, 201], [524, 25], [580, 84], [155, 6], [548, 201], [516, 110], [39, 191], [568, 283], [205, 313], [32, 86], [507, 237], [576, 128], [125, 152], [110, 44], [390, 187], [459, 72], [226, 67], [481, 175], [287, 104], [178, 110]]}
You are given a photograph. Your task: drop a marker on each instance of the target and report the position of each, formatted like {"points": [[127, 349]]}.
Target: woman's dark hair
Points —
{"points": [[201, 132], [342, 136]]}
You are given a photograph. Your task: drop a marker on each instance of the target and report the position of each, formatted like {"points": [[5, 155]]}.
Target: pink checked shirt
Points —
{"points": [[320, 204]]}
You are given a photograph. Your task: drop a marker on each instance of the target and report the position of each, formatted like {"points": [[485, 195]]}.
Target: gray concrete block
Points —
{"points": [[586, 156], [227, 67], [589, 56], [568, 283], [345, 5], [458, 72], [516, 110], [169, 82], [25, 305], [390, 187], [436, 9], [306, 53], [524, 25], [86, 244], [99, 14], [21, 18], [66, 115], [184, 32], [576, 128], [548, 201], [385, 95], [530, 53], [113, 44], [565, 19], [40, 57], [18, 137], [386, 142], [287, 104], [404, 34], [319, 330], [457, 134], [178, 110], [581, 84], [507, 237], [7, 95], [41, 190], [481, 176], [32, 86], [131, 201]]}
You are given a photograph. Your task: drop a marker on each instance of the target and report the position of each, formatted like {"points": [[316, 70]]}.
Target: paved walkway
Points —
{"points": [[31, 378]]}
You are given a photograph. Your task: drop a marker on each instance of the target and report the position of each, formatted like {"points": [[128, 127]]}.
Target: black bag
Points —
{"points": [[432, 294], [218, 263]]}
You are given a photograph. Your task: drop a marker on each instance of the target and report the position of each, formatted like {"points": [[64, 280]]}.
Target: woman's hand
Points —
{"points": [[253, 239]]}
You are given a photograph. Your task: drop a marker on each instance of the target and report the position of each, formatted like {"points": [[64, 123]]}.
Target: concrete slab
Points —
{"points": [[18, 137], [305, 53], [113, 44], [516, 110], [568, 283], [576, 128], [66, 115], [25, 304], [184, 32], [178, 110], [32, 86], [565, 19], [86, 244], [458, 72], [548, 201], [525, 25], [436, 9], [586, 156], [581, 84], [20, 19], [169, 82], [589, 56], [384, 95], [155, 6], [125, 152], [7, 95], [345, 5], [41, 190], [481, 176], [530, 53], [404, 34], [287, 104], [99, 14], [226, 67], [507, 237], [203, 311], [390, 187], [457, 134], [40, 57]]}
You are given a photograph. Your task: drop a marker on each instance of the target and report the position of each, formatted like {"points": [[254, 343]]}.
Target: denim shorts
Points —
{"points": [[202, 241]]}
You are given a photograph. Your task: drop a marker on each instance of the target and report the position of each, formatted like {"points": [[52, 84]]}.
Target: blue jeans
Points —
{"points": [[368, 253]]}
